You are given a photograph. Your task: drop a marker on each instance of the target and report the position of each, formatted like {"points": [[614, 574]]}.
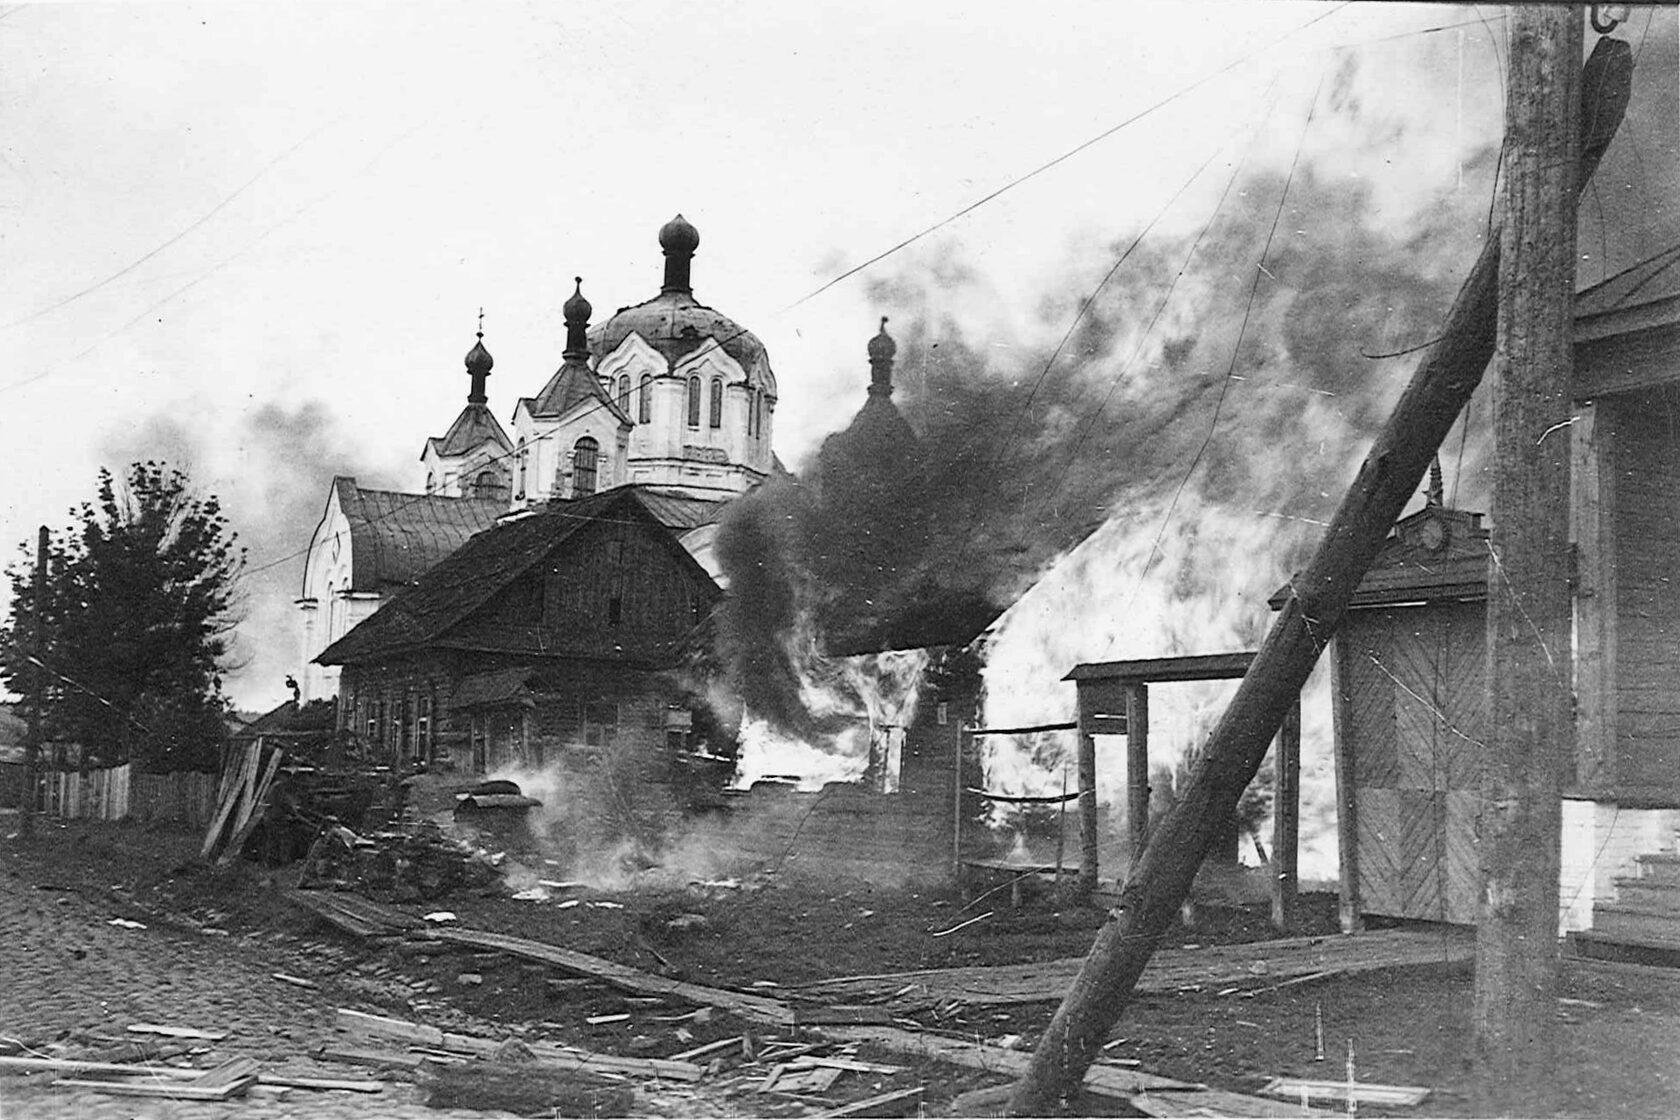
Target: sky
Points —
{"points": [[255, 239]]}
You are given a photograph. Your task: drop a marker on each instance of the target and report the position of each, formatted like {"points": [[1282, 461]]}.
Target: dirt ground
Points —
{"points": [[1620, 1025]]}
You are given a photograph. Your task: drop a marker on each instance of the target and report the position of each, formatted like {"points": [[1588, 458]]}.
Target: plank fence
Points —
{"points": [[122, 793]]}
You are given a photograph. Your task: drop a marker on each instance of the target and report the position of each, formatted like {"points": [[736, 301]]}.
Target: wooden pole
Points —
{"points": [[1137, 768], [1286, 820], [1086, 884], [32, 744], [1531, 733], [1319, 598], [1347, 803]]}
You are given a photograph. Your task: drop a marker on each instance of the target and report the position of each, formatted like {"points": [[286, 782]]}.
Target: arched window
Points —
{"points": [[586, 455], [694, 402], [624, 394], [519, 455], [752, 412], [488, 484], [717, 402], [644, 402]]}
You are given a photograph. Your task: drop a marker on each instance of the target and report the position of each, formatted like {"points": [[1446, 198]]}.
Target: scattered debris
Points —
{"points": [[599, 1020], [441, 916], [783, 1079], [124, 923], [527, 1090], [295, 981], [717, 1047], [964, 925]]}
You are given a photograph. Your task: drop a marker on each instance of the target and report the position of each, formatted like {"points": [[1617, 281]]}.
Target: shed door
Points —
{"points": [[1416, 706]]}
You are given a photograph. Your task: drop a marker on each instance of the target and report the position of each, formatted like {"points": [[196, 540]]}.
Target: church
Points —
{"points": [[668, 395]]}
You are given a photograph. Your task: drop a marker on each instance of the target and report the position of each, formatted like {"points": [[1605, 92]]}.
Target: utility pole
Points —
{"points": [[1319, 597], [38, 644], [1532, 732]]}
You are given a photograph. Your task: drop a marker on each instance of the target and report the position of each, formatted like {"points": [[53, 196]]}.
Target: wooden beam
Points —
{"points": [[1286, 820], [1592, 503], [1162, 670], [1137, 769], [1530, 734], [1318, 601], [1347, 801], [1086, 884]]}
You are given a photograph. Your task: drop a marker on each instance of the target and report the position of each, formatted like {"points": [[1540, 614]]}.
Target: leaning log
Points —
{"points": [[1318, 600]]}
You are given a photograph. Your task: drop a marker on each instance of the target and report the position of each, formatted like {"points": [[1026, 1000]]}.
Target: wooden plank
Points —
{"points": [[176, 1032], [362, 1023], [1386, 1096], [356, 1056], [323, 1084], [1347, 827], [754, 1008], [1286, 818], [176, 1090], [255, 806], [232, 1071], [1160, 670], [1137, 771], [77, 1065], [899, 1102]]}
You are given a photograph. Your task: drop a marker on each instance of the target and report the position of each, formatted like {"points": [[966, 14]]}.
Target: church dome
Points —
{"points": [[882, 348], [676, 324], [577, 309], [679, 236], [478, 358]]}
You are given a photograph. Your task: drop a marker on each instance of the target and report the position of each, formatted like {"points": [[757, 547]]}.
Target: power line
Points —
{"points": [[1236, 347], [1065, 156]]}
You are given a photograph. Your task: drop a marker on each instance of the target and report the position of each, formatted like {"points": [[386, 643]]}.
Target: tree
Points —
{"points": [[139, 607]]}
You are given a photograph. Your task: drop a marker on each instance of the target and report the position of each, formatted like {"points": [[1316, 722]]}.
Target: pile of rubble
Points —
{"points": [[418, 863]]}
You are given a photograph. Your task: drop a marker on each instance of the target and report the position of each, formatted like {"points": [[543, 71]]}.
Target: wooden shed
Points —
{"points": [[1409, 670]]}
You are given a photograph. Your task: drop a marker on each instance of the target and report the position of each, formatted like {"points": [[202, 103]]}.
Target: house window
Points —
{"points": [[694, 402], [717, 402], [943, 713], [615, 610], [624, 394], [644, 401], [586, 455], [424, 746], [600, 724], [520, 456]]}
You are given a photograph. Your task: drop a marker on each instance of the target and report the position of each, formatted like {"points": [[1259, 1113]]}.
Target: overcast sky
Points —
{"points": [[257, 237]]}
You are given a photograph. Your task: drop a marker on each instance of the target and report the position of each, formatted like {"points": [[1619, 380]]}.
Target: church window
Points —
{"points": [[694, 402], [488, 484], [717, 402], [431, 481], [644, 403], [586, 457], [624, 394], [521, 457]]}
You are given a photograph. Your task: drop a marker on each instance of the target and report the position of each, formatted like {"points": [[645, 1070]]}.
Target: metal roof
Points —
{"points": [[395, 538]]}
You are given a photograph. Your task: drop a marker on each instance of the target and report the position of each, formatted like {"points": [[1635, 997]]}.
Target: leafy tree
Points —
{"points": [[140, 604]]}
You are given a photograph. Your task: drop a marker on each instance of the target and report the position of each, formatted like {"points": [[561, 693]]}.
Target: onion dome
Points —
{"points": [[881, 351], [577, 309], [679, 236], [479, 362]]}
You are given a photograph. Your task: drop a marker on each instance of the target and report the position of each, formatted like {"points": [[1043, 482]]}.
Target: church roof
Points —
{"points": [[395, 537], [475, 427], [1654, 280], [572, 384], [676, 325], [680, 511], [439, 607]]}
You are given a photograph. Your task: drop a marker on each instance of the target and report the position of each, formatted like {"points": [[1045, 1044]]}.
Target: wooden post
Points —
{"points": [[1319, 598], [1286, 819], [1086, 885], [1137, 767], [32, 744], [963, 741], [1514, 1008], [1347, 801]]}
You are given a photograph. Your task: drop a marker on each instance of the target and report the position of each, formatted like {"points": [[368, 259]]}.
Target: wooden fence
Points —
{"points": [[124, 793]]}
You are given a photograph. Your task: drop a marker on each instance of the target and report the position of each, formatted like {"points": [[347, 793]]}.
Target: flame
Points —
{"points": [[867, 698]]}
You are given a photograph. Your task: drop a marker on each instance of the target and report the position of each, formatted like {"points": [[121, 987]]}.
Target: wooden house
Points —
{"points": [[555, 637]]}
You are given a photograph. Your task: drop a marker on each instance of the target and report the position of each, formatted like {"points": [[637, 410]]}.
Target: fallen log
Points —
{"points": [[1317, 602]]}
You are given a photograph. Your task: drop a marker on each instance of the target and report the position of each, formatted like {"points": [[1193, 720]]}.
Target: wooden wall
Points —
{"points": [[1646, 521], [1412, 713]]}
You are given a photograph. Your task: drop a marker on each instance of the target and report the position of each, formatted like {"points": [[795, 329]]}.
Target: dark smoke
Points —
{"points": [[918, 531]]}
